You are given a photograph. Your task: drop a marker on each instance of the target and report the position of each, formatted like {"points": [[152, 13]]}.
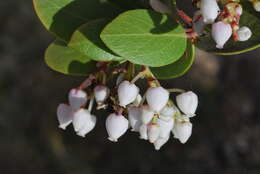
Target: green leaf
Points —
{"points": [[145, 37], [178, 68], [87, 41], [249, 18], [66, 60], [63, 17]]}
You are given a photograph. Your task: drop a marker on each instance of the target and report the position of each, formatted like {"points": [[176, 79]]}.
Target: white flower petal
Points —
{"points": [[221, 32], [64, 113], [147, 114], [116, 126], [143, 132], [153, 132], [244, 33], [127, 93], [88, 126], [81, 118], [157, 98], [209, 10], [182, 130], [187, 102], [134, 116], [165, 127], [77, 98], [160, 142], [101, 93]]}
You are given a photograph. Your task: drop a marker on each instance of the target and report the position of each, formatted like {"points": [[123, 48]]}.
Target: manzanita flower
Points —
{"points": [[209, 10], [127, 93], [188, 103], [101, 93], [143, 132], [165, 127], [160, 142], [160, 7], [157, 98], [244, 33], [116, 126], [168, 112], [134, 116], [182, 130], [146, 114], [153, 132], [64, 113], [221, 32], [77, 98], [83, 122]]}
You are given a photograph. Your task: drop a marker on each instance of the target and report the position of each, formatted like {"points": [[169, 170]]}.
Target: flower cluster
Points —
{"points": [[154, 115], [225, 20]]}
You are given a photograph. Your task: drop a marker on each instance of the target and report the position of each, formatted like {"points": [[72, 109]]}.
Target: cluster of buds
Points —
{"points": [[224, 21], [153, 115]]}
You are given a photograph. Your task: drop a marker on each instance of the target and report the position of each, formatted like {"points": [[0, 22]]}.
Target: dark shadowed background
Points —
{"points": [[226, 136]]}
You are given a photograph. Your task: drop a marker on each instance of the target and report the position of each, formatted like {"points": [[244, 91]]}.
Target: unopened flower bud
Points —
{"points": [[83, 122], [147, 114], [221, 32], [244, 33], [134, 116], [127, 93], [188, 103], [157, 98], [101, 93], [182, 130], [77, 98], [165, 127], [143, 132], [153, 132], [116, 126], [209, 10], [64, 113], [160, 142], [160, 7]]}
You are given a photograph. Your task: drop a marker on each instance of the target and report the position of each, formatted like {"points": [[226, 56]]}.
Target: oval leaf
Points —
{"points": [[249, 18], [145, 37], [87, 41], [177, 68], [63, 17], [66, 60]]}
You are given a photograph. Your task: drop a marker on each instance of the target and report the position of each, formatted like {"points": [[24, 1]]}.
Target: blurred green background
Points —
{"points": [[226, 135]]}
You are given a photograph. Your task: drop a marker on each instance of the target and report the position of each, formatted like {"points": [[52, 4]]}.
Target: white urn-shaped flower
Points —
{"points": [[221, 32], [101, 93], [188, 103], [157, 98], [116, 126], [209, 10], [83, 122], [127, 93]]}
